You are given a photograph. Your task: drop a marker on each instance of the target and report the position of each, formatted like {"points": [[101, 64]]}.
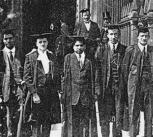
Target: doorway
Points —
{"points": [[39, 14]]}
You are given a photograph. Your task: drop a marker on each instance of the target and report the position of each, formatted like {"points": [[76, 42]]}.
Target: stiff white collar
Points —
{"points": [[141, 47]]}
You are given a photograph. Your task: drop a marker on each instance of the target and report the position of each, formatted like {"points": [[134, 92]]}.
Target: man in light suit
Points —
{"points": [[107, 82], [42, 77], [137, 84], [89, 30], [77, 91], [11, 78]]}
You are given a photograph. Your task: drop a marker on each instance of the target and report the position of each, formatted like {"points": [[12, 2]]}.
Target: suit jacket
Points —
{"points": [[5, 70], [93, 33], [76, 85], [45, 86], [79, 79], [102, 73], [131, 79], [34, 74]]}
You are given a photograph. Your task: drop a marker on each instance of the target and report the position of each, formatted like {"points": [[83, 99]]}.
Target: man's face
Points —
{"points": [[78, 47], [143, 38], [86, 16], [106, 22], [8, 40], [113, 35], [42, 43]]}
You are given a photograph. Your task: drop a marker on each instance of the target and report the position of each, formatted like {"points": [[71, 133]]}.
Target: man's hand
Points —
{"points": [[11, 15], [36, 98], [1, 100]]}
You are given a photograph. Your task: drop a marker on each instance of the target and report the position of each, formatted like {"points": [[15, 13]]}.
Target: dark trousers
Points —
{"points": [[110, 111], [80, 120], [146, 106], [12, 115], [41, 114]]}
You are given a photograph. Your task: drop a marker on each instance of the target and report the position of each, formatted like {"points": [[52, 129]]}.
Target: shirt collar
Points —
{"points": [[141, 47], [111, 45], [87, 22], [8, 50], [42, 53], [82, 55]]}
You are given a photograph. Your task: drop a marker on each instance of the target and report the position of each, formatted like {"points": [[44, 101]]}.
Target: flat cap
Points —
{"points": [[41, 35], [84, 10], [77, 38], [106, 15], [113, 26]]}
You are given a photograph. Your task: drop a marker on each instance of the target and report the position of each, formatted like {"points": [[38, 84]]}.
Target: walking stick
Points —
{"points": [[21, 113], [98, 119], [96, 104]]}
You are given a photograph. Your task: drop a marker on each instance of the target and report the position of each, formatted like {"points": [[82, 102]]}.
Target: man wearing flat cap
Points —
{"points": [[107, 83], [10, 80], [42, 77], [77, 91], [106, 22], [137, 80], [89, 30]]}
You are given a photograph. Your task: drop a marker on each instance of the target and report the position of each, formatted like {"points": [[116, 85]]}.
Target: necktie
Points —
{"points": [[113, 48], [81, 63], [11, 56], [144, 52]]}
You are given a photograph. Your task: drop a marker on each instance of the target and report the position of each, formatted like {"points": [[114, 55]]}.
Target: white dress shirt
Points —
{"points": [[44, 59], [141, 47], [87, 24], [111, 45], [7, 50], [81, 57]]}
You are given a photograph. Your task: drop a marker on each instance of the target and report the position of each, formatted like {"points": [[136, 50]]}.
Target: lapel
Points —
{"points": [[84, 27], [75, 61], [51, 63], [91, 26], [85, 63], [37, 63], [40, 65], [150, 52]]}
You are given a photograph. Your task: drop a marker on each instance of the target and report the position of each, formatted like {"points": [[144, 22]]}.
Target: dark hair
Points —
{"points": [[113, 28], [80, 40], [7, 32], [143, 30]]}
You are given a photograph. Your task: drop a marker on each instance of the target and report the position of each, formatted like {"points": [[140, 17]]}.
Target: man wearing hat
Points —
{"points": [[106, 22], [89, 30], [42, 77], [77, 91], [11, 79], [107, 82], [137, 82]]}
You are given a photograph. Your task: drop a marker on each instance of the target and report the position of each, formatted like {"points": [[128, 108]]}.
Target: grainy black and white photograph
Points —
{"points": [[76, 68]]}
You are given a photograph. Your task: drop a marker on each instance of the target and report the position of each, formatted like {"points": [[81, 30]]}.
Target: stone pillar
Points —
{"points": [[80, 4], [133, 32], [150, 25], [150, 21]]}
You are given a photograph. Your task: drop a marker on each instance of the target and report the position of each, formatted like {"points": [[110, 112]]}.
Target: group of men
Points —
{"points": [[118, 77]]}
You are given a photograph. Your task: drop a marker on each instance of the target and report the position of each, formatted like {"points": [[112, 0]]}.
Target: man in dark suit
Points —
{"points": [[137, 83], [11, 77], [77, 91], [41, 74], [89, 30], [107, 81]]}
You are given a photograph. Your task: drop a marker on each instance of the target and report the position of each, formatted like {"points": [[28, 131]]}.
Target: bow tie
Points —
{"points": [[87, 22]]}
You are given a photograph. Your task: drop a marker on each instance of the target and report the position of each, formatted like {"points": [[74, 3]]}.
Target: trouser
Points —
{"points": [[111, 112], [146, 107], [12, 116], [80, 120], [42, 114]]}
